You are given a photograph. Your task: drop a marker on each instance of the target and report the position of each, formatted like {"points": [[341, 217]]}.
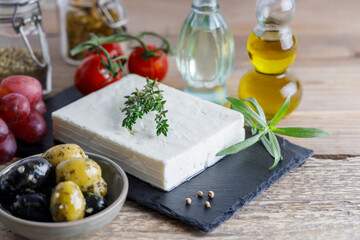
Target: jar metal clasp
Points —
{"points": [[18, 25], [103, 12]]}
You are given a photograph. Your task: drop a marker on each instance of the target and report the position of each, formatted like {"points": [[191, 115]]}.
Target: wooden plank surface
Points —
{"points": [[318, 200]]}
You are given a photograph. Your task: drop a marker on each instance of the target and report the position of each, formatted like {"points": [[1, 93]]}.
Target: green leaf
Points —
{"points": [[240, 145], [246, 118], [265, 141], [144, 101], [281, 112], [257, 106], [275, 147], [301, 132], [246, 110]]}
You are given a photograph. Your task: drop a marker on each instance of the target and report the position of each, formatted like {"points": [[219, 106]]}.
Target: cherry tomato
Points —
{"points": [[153, 67], [113, 49], [4, 130], [32, 129], [88, 78], [14, 107], [25, 85], [8, 148]]}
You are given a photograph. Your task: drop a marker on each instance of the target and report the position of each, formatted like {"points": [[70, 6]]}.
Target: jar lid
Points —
{"points": [[24, 9]]}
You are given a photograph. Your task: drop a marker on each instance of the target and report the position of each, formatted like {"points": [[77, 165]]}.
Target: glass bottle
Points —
{"points": [[205, 52], [23, 46], [79, 18], [272, 47]]}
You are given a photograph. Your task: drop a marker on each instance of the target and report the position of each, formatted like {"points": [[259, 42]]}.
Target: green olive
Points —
{"points": [[99, 187], [83, 171], [67, 202], [62, 152]]}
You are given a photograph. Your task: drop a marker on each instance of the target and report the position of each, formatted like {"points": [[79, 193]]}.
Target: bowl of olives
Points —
{"points": [[60, 194]]}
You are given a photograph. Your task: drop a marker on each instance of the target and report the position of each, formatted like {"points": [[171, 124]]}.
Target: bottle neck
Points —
{"points": [[205, 6], [283, 31], [283, 34]]}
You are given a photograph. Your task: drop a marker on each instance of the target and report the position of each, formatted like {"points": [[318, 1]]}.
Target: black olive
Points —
{"points": [[30, 174], [47, 187], [31, 206], [94, 203], [7, 193]]}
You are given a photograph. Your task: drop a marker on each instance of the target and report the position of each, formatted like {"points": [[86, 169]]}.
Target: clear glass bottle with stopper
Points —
{"points": [[272, 47], [205, 52]]}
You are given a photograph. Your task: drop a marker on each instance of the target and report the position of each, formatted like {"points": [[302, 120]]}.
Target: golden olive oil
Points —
{"points": [[271, 90], [271, 53]]}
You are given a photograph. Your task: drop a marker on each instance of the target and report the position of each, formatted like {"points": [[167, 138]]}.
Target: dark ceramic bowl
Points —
{"points": [[118, 186]]}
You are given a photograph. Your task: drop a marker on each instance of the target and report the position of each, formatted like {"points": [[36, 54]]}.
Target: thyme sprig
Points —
{"points": [[265, 131], [144, 101]]}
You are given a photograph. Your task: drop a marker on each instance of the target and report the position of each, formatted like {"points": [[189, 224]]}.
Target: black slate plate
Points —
{"points": [[236, 180]]}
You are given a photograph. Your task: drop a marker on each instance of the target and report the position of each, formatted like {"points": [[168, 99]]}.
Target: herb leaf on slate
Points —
{"points": [[144, 101], [266, 131]]}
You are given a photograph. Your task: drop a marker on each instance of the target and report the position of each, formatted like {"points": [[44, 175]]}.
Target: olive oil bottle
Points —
{"points": [[269, 54], [272, 47]]}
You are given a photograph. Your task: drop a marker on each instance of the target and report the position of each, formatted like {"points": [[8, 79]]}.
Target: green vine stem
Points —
{"points": [[95, 40], [112, 65]]}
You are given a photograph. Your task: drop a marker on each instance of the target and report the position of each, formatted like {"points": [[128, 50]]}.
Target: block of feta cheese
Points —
{"points": [[198, 130]]}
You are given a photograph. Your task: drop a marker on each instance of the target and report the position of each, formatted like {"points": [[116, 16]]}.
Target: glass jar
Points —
{"points": [[79, 18], [23, 46], [205, 52]]}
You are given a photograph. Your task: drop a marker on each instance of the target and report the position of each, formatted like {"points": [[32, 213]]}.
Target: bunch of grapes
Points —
{"points": [[21, 114]]}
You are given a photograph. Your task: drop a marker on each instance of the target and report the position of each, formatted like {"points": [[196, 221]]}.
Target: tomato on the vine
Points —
{"points": [[113, 49], [154, 67], [88, 78]]}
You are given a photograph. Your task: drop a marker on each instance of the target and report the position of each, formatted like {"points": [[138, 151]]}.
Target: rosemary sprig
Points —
{"points": [[264, 131], [144, 101]]}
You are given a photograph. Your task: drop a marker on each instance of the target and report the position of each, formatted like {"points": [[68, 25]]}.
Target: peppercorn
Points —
{"points": [[211, 194]]}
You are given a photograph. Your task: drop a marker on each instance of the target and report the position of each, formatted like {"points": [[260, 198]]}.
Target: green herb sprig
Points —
{"points": [[112, 65], [144, 101], [265, 131]]}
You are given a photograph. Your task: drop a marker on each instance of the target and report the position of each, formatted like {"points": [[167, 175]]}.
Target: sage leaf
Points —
{"points": [[257, 107], [240, 145], [301, 132], [281, 112], [275, 147], [246, 118], [266, 144], [246, 110]]}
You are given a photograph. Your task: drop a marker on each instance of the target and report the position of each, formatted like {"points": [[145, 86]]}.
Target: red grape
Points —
{"points": [[14, 107], [25, 85], [40, 107], [4, 130], [32, 129], [8, 148]]}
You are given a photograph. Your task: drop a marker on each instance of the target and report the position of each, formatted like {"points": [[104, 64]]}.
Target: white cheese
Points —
{"points": [[198, 130]]}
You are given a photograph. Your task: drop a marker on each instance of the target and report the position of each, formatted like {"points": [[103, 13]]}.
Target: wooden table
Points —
{"points": [[320, 199]]}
